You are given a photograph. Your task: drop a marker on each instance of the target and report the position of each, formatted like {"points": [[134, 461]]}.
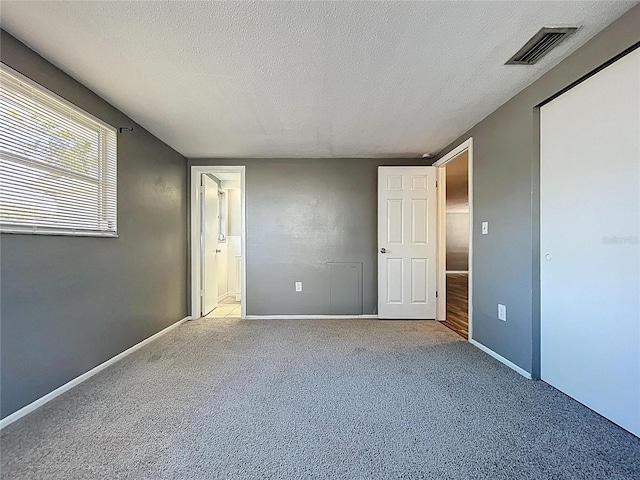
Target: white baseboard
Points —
{"points": [[223, 296], [9, 419], [305, 317], [501, 359]]}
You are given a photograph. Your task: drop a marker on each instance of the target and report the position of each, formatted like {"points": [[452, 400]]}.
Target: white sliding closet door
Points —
{"points": [[590, 252]]}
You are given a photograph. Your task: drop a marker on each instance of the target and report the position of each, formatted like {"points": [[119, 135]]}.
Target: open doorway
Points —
{"points": [[217, 242], [454, 219]]}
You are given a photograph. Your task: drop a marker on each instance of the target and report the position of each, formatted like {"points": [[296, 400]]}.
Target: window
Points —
{"points": [[57, 163]]}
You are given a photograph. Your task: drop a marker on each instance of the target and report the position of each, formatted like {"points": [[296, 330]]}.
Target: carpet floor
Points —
{"points": [[317, 399]]}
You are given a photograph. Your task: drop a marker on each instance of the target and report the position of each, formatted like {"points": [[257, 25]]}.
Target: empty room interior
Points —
{"points": [[328, 239]]}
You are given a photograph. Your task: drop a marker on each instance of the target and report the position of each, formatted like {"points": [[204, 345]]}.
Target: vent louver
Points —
{"points": [[540, 44]]}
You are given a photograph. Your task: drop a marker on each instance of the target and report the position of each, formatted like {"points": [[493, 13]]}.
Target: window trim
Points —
{"points": [[83, 118]]}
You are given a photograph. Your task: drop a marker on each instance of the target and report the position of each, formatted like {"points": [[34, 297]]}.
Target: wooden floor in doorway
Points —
{"points": [[458, 303]]}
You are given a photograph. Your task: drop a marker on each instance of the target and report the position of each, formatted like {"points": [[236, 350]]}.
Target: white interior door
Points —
{"points": [[590, 253], [407, 217], [209, 252]]}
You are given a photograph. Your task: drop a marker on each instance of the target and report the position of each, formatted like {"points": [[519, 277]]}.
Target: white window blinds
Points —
{"points": [[57, 163]]}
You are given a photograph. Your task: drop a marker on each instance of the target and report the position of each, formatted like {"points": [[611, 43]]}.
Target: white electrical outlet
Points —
{"points": [[485, 228], [502, 312], [298, 286]]}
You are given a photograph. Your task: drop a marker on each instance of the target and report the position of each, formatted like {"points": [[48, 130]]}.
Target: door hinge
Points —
{"points": [[436, 183], [202, 293], [436, 293]]}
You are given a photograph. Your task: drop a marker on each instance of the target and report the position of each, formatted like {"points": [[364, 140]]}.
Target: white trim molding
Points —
{"points": [[501, 359], [466, 146], [9, 419], [307, 317], [194, 241]]}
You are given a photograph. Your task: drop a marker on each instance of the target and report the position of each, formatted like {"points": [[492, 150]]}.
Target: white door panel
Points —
{"points": [[407, 209], [209, 224], [590, 253]]}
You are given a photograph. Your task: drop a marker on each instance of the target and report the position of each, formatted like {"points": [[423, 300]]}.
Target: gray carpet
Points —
{"points": [[285, 399]]}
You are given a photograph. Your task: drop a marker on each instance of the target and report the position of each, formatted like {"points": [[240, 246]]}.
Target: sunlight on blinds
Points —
{"points": [[57, 163]]}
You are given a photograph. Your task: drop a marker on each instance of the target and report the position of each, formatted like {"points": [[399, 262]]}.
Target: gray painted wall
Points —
{"points": [[301, 215], [69, 303], [506, 175]]}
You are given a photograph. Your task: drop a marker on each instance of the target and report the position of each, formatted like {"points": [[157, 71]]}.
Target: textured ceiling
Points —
{"points": [[301, 79]]}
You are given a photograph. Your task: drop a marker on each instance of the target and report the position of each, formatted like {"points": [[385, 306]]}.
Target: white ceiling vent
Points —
{"points": [[540, 44]]}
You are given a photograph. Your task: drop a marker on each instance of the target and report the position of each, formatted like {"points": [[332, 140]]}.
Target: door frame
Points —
{"points": [[194, 240], [466, 146]]}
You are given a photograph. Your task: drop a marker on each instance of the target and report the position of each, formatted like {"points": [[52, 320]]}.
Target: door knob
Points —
{"points": [[218, 251], [383, 250]]}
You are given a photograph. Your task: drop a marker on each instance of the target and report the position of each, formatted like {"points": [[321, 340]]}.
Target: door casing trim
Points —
{"points": [[466, 146], [194, 240]]}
